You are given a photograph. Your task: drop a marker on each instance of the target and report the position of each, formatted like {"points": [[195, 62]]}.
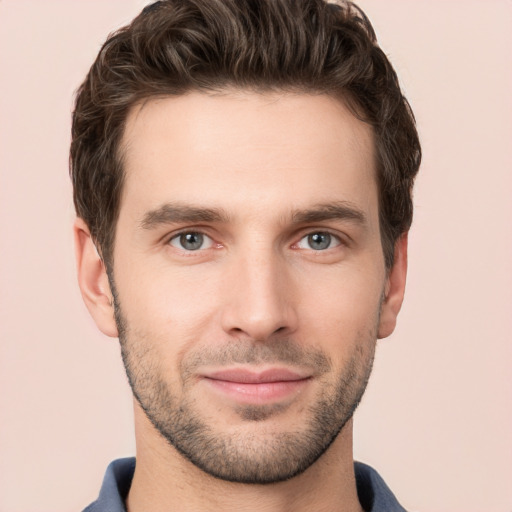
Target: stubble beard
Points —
{"points": [[264, 457]]}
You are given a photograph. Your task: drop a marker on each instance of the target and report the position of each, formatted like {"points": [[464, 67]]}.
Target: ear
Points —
{"points": [[394, 289], [93, 280]]}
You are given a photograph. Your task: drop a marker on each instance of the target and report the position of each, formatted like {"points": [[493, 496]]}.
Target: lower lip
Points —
{"points": [[258, 393]]}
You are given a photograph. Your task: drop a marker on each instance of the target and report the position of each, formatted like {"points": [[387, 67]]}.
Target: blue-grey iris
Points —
{"points": [[191, 241], [319, 241]]}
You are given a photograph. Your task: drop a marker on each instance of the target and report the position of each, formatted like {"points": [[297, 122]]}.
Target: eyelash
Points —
{"points": [[332, 238], [178, 236], [339, 241]]}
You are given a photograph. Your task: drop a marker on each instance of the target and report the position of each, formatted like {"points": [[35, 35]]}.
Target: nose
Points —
{"points": [[260, 298]]}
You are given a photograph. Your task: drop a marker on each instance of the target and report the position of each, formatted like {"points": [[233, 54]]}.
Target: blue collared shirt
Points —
{"points": [[374, 494]]}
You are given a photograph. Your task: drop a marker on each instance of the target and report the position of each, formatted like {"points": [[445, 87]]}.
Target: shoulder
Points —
{"points": [[115, 487], [374, 495]]}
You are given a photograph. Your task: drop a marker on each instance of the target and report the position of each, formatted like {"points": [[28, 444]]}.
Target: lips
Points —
{"points": [[247, 386], [249, 377]]}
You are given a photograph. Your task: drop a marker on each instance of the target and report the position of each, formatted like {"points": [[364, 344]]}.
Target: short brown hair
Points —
{"points": [[175, 46]]}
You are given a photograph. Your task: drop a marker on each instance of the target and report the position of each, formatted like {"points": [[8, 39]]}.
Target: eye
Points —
{"points": [[319, 241], [191, 241]]}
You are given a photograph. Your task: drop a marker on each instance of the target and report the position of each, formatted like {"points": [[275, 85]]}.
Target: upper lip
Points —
{"points": [[246, 376]]}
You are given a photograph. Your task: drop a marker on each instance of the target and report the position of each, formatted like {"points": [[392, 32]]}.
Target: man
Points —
{"points": [[242, 177]]}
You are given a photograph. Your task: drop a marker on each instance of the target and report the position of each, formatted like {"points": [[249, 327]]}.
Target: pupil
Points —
{"points": [[191, 241], [320, 241]]}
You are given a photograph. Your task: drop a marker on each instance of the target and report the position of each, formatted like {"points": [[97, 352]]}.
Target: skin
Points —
{"points": [[265, 162]]}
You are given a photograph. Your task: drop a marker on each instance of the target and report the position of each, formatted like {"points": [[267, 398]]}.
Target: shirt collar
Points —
{"points": [[374, 495]]}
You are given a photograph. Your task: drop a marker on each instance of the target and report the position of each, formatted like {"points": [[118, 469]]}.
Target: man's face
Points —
{"points": [[249, 275]]}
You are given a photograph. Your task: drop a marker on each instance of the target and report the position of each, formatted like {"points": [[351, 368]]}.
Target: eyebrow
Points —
{"points": [[173, 213], [340, 210]]}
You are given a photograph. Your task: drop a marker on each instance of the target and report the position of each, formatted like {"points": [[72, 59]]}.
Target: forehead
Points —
{"points": [[243, 149]]}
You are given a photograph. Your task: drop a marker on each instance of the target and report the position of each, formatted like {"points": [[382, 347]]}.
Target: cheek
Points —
{"points": [[166, 318], [153, 296], [342, 308], [176, 308]]}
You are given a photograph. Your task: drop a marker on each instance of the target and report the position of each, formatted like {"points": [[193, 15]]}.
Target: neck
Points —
{"points": [[164, 480]]}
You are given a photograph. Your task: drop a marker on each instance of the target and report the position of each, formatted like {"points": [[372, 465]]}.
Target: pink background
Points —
{"points": [[437, 418]]}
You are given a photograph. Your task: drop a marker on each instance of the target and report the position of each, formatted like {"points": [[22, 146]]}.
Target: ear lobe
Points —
{"points": [[395, 289], [93, 280]]}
